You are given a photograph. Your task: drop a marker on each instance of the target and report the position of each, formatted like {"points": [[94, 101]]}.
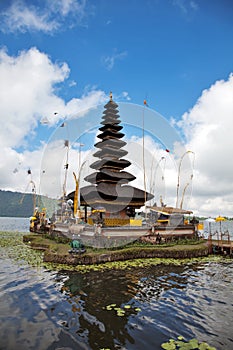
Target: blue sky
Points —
{"points": [[66, 56]]}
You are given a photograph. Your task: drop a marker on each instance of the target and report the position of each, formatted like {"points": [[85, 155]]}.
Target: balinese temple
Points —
{"points": [[109, 192]]}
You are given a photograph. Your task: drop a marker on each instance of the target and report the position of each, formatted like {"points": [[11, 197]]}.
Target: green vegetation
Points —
{"points": [[181, 344], [128, 264], [59, 244], [17, 204], [59, 249], [126, 310], [14, 248]]}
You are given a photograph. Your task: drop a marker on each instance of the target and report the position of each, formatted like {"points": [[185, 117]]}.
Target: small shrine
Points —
{"points": [[112, 200]]}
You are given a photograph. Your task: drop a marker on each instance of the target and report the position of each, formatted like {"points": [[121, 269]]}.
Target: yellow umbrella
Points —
{"points": [[220, 218]]}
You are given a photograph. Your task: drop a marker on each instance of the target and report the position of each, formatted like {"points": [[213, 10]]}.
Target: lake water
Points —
{"points": [[41, 309], [14, 224]]}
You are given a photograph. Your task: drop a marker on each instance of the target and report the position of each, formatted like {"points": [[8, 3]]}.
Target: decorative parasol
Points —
{"points": [[220, 219], [209, 221]]}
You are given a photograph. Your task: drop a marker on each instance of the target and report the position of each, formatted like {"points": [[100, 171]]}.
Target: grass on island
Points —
{"points": [[60, 245], [18, 246]]}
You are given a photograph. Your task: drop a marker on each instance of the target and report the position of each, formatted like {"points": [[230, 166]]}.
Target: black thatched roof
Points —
{"points": [[109, 163], [110, 134], [110, 143], [106, 175], [110, 187], [110, 153], [110, 127], [109, 195]]}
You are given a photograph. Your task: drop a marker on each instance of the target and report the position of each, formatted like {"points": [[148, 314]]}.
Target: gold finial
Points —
{"points": [[110, 95]]}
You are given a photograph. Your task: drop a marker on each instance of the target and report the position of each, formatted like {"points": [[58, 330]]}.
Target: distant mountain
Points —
{"points": [[17, 204]]}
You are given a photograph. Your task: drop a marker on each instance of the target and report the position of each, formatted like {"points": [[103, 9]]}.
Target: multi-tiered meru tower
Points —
{"points": [[110, 190]]}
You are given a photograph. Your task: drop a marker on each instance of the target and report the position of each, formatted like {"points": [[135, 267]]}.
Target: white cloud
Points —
{"points": [[27, 95], [65, 7], [161, 172], [27, 92], [109, 61], [82, 105], [208, 129], [185, 5], [22, 17], [194, 5], [126, 96]]}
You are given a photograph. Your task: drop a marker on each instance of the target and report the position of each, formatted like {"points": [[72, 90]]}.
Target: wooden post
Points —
{"points": [[210, 245]]}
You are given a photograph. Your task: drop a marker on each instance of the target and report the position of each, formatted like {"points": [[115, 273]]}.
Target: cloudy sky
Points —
{"points": [[60, 59]]}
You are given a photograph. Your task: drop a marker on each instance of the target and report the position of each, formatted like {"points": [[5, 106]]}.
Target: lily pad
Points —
{"points": [[168, 346], [137, 309]]}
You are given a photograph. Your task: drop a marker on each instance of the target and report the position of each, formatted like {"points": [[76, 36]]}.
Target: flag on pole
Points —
{"points": [[76, 204]]}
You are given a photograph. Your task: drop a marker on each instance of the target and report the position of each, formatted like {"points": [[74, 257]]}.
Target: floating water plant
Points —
{"points": [[14, 248], [137, 309], [121, 311], [181, 344], [110, 307]]}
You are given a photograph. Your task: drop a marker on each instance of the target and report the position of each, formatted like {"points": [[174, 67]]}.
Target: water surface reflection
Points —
{"points": [[67, 310], [174, 300]]}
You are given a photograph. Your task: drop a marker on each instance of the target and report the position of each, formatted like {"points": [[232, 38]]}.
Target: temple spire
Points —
{"points": [[109, 183]]}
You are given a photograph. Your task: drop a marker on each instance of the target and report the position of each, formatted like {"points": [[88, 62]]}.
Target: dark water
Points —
{"points": [[42, 309]]}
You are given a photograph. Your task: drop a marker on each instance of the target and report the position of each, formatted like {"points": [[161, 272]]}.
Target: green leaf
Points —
{"points": [[168, 346], [138, 309], [180, 337], [194, 343], [186, 346], [120, 313], [205, 346], [180, 343]]}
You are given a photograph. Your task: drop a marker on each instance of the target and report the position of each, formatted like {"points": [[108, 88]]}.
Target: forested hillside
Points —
{"points": [[17, 204]]}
